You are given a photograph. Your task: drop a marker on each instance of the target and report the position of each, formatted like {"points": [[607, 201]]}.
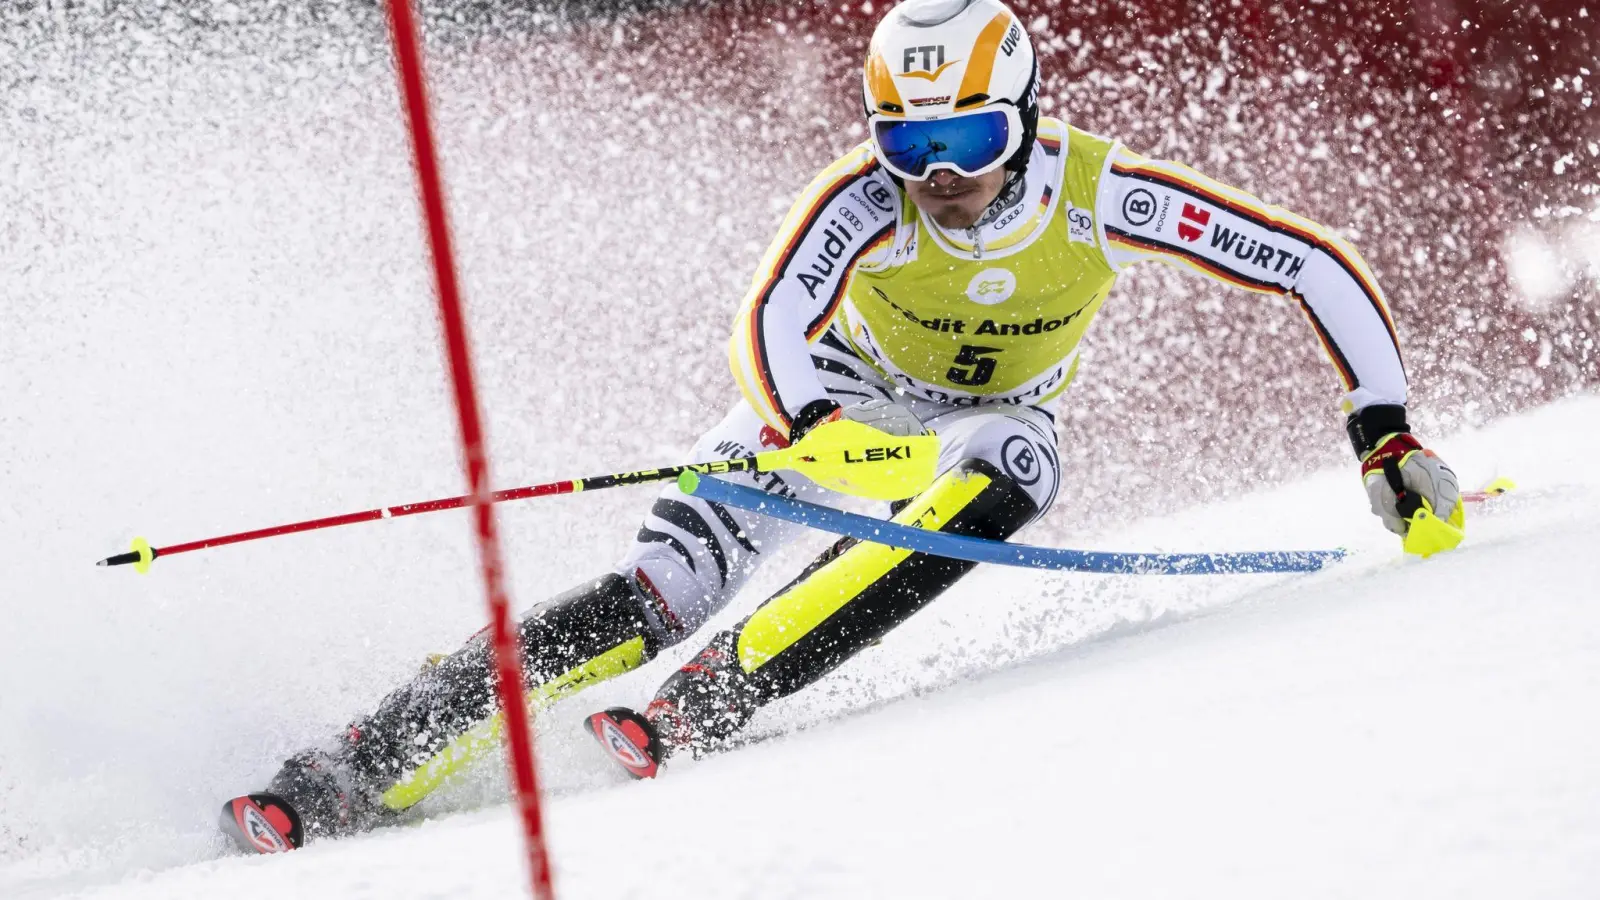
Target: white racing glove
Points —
{"points": [[887, 416], [1400, 475]]}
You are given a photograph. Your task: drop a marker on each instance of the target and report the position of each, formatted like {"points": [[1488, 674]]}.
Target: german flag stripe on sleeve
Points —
{"points": [[787, 244], [1265, 220], [798, 228], [876, 242], [763, 370], [1347, 373], [1206, 267], [1150, 245]]}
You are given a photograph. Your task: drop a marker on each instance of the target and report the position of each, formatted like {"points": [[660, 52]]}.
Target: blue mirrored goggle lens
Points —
{"points": [[968, 142]]}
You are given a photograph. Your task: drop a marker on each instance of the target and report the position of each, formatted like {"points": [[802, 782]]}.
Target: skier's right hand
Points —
{"points": [[887, 416], [835, 441]]}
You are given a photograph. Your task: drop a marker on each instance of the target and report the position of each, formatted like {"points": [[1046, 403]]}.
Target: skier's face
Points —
{"points": [[956, 201]]}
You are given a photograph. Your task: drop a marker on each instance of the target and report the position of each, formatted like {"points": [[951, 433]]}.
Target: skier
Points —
{"points": [[939, 275]]}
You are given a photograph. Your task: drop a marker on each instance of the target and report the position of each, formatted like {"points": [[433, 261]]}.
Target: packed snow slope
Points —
{"points": [[1388, 728]]}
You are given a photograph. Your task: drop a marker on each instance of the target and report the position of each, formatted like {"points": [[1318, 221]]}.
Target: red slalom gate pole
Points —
{"points": [[508, 659]]}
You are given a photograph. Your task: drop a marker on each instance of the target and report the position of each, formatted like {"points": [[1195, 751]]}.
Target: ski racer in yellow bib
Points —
{"points": [[994, 312], [943, 275], [991, 315]]}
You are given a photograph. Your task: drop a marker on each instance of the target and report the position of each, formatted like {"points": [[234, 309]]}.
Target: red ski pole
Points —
{"points": [[833, 455], [142, 554]]}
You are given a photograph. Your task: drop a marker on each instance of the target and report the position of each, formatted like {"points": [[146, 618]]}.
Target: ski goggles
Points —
{"points": [[970, 143]]}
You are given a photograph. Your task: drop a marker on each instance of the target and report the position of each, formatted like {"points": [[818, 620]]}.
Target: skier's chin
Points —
{"points": [[952, 212], [956, 203]]}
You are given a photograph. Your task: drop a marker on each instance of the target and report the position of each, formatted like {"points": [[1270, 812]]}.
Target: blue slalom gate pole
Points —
{"points": [[974, 549]]}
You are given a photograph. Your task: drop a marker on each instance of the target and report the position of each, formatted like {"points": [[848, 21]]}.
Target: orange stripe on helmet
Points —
{"points": [[981, 66], [881, 84]]}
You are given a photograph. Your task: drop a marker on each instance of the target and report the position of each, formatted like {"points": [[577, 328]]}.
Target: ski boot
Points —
{"points": [[698, 710], [314, 795]]}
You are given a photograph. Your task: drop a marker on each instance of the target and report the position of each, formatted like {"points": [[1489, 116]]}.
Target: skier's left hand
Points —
{"points": [[902, 455], [887, 416], [1400, 475], [1424, 477]]}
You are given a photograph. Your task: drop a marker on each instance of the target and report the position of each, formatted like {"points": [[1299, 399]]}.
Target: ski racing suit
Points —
{"points": [[861, 297]]}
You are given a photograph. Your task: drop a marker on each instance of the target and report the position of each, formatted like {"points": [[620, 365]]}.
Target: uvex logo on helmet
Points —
{"points": [[1013, 38]]}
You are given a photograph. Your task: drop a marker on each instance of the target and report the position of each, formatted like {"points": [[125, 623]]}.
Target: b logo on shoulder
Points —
{"points": [[1139, 207]]}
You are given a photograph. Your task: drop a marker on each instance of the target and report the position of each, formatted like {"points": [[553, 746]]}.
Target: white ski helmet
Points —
{"points": [[951, 84]]}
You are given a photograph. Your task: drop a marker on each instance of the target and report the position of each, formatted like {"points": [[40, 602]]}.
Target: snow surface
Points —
{"points": [[1389, 728]]}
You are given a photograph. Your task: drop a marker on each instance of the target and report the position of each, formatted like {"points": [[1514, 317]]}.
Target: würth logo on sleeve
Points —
{"points": [[1192, 224]]}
